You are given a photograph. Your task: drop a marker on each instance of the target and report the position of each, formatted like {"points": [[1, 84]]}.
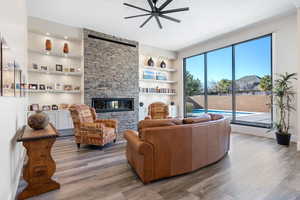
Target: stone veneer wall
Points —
{"points": [[111, 71]]}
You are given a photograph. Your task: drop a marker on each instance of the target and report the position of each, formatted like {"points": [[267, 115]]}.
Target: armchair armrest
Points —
{"points": [[147, 117], [137, 144], [108, 122], [92, 127]]}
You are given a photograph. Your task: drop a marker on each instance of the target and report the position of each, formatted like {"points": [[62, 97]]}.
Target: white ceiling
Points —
{"points": [[206, 18]]}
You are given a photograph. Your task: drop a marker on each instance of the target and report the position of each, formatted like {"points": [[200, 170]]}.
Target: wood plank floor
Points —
{"points": [[255, 169]]}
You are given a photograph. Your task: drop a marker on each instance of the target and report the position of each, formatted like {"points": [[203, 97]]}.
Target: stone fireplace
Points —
{"points": [[111, 78]]}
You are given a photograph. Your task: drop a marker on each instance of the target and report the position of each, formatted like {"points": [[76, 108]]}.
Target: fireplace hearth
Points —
{"points": [[103, 105]]}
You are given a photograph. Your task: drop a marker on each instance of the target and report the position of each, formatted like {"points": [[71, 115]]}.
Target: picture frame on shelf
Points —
{"points": [[65, 69], [59, 68], [148, 75], [32, 86], [44, 68], [54, 107], [35, 66], [46, 107], [49, 87], [42, 87], [161, 76], [59, 86], [34, 107], [72, 69], [68, 87], [77, 88]]}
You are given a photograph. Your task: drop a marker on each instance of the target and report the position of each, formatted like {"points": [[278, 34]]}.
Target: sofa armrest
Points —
{"points": [[137, 144], [108, 122]]}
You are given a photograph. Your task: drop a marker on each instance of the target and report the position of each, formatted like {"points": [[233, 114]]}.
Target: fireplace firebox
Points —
{"points": [[103, 105]]}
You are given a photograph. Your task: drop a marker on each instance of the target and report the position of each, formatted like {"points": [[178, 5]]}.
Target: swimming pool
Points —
{"points": [[197, 112]]}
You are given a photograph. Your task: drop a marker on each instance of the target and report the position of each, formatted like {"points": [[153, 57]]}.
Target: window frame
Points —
{"points": [[233, 121]]}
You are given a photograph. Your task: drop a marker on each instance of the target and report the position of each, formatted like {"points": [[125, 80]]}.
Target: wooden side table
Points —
{"points": [[40, 166]]}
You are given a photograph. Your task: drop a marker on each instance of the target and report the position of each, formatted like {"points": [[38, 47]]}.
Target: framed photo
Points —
{"points": [[68, 87], [44, 68], [59, 86], [34, 107], [35, 66], [65, 69], [59, 68], [161, 76], [49, 87], [46, 108], [33, 86], [42, 87], [54, 107], [72, 69], [148, 75], [77, 88]]}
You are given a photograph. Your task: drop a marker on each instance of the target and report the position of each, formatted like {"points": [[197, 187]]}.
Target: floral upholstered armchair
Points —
{"points": [[158, 110], [89, 129]]}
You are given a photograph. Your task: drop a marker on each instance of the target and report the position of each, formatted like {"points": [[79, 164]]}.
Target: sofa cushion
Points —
{"points": [[152, 123], [200, 119]]}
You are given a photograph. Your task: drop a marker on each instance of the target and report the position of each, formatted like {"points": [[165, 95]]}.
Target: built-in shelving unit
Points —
{"points": [[43, 65], [153, 87]]}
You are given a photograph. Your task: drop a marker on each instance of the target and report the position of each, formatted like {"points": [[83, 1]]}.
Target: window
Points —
{"points": [[234, 81]]}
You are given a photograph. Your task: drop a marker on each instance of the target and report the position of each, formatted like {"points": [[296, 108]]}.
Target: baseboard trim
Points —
{"points": [[20, 168], [260, 132]]}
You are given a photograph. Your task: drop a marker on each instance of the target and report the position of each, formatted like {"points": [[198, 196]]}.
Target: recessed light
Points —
{"points": [[47, 33]]}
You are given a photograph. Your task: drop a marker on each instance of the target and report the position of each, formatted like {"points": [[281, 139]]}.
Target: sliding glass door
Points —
{"points": [[253, 64], [234, 81], [194, 86], [219, 81]]}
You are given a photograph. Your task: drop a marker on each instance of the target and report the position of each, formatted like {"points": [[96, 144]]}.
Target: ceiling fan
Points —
{"points": [[156, 12]]}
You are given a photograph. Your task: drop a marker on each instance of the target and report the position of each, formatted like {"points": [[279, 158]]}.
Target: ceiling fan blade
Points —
{"points": [[136, 16], [165, 4], [174, 10], [132, 6], [151, 4], [147, 20], [170, 18], [158, 22]]}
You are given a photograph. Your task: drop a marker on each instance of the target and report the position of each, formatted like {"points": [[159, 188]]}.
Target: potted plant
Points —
{"points": [[283, 96]]}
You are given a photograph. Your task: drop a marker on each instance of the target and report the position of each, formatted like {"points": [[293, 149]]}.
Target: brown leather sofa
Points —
{"points": [[165, 148]]}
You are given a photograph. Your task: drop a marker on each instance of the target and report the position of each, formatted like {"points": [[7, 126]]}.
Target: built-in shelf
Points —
{"points": [[162, 94], [57, 73], [53, 91], [54, 54], [56, 36], [159, 69], [158, 81]]}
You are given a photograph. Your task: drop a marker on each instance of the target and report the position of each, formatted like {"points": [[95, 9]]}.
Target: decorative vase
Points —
{"points": [[48, 45], [66, 48], [39, 120], [283, 139], [163, 64], [150, 62]]}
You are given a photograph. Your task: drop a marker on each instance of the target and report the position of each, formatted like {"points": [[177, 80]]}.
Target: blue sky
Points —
{"points": [[252, 58]]}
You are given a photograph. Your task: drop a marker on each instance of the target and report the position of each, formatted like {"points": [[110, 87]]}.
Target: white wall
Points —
{"points": [[13, 26], [285, 58]]}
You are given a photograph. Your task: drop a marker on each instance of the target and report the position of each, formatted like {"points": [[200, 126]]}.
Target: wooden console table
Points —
{"points": [[40, 166]]}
